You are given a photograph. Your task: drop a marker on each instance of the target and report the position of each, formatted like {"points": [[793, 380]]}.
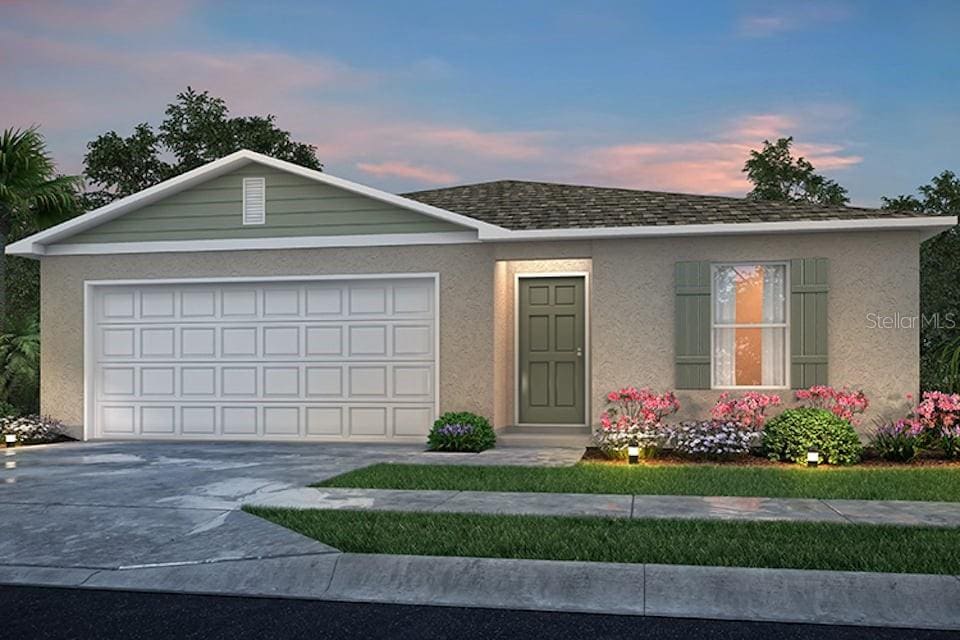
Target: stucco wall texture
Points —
{"points": [[631, 308]]}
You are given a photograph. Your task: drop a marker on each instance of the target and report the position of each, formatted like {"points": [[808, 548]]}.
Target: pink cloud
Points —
{"points": [[826, 156], [405, 170], [517, 146], [762, 127], [704, 166], [139, 83], [695, 167], [110, 15]]}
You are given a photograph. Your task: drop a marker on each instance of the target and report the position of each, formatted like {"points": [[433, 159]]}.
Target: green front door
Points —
{"points": [[551, 343]]}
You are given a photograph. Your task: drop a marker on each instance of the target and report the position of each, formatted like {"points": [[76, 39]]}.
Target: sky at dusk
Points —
{"points": [[411, 95]]}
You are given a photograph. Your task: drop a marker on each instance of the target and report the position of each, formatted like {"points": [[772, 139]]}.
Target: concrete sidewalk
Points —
{"points": [[677, 591], [895, 512]]}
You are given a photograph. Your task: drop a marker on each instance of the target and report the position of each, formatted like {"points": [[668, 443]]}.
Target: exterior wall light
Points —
{"points": [[813, 457]]}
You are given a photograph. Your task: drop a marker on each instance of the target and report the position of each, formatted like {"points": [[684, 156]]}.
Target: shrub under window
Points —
{"points": [[795, 431], [463, 431]]}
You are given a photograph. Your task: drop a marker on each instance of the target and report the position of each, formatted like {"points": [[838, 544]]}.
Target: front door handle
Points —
{"points": [[579, 352]]}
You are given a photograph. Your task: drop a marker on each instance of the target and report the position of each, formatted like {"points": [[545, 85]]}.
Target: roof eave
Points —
{"points": [[927, 225]]}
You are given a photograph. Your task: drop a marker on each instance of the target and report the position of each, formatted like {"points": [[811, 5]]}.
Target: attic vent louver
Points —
{"points": [[254, 201]]}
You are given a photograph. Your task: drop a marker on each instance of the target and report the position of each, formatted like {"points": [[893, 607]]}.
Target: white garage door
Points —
{"points": [[319, 359]]}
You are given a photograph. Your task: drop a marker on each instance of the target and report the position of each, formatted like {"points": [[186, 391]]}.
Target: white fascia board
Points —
{"points": [[247, 244], [929, 224], [35, 245]]}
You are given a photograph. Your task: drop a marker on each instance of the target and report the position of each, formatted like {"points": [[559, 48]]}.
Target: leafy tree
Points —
{"points": [[939, 282], [777, 175], [121, 166], [197, 129], [32, 195]]}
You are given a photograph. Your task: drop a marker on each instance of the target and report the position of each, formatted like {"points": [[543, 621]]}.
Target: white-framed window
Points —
{"points": [[254, 201], [750, 330]]}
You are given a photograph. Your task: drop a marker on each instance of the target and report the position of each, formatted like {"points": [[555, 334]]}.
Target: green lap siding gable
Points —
{"points": [[296, 206]]}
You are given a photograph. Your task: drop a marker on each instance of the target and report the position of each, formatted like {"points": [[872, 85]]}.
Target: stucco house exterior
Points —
{"points": [[255, 299]]}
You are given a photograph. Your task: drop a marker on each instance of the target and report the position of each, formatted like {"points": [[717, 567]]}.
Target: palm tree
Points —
{"points": [[20, 365], [32, 195]]}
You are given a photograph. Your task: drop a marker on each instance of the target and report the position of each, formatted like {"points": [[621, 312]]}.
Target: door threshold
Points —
{"points": [[547, 429]]}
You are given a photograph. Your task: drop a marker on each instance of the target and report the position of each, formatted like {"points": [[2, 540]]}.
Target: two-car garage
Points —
{"points": [[289, 358]]}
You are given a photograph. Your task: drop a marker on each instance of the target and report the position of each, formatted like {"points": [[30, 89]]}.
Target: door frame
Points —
{"points": [[90, 427], [521, 275]]}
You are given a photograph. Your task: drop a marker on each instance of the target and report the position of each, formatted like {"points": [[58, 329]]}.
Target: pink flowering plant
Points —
{"points": [[938, 417], [844, 403], [748, 409], [634, 415]]}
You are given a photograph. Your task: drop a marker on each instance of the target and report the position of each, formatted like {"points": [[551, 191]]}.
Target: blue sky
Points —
{"points": [[408, 95]]}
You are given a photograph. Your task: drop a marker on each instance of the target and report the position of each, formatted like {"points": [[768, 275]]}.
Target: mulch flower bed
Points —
{"points": [[870, 459]]}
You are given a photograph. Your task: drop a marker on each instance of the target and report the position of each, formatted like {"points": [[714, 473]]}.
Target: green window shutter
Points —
{"points": [[692, 349], [808, 322]]}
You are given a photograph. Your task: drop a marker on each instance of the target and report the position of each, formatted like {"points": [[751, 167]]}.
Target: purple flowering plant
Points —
{"points": [[899, 441], [461, 431]]}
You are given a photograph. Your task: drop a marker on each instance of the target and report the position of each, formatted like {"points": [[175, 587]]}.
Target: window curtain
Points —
{"points": [[724, 340], [774, 307]]}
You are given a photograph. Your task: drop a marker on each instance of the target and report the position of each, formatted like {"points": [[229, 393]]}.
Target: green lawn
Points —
{"points": [[864, 483], [796, 545]]}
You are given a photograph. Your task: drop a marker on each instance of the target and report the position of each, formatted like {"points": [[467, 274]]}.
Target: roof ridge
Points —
{"points": [[733, 199]]}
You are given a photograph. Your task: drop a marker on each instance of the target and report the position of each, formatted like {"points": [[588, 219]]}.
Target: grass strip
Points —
{"points": [[794, 545], [856, 483]]}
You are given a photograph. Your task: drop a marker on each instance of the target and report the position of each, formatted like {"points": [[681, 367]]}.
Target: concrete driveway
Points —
{"points": [[111, 505]]}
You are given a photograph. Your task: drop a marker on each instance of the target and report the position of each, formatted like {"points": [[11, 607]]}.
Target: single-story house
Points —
{"points": [[252, 298]]}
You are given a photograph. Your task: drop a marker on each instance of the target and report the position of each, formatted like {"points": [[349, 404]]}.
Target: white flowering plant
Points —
{"points": [[34, 429], [714, 439]]}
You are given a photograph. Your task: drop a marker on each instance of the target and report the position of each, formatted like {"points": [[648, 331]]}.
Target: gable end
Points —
{"points": [[295, 206]]}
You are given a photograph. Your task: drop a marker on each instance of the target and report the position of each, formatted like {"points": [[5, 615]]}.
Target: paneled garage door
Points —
{"points": [[318, 359]]}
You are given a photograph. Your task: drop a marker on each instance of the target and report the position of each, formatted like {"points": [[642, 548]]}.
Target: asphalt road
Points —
{"points": [[41, 613]]}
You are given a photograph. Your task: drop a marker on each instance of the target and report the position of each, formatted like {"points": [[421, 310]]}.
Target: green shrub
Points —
{"points": [[8, 410], [462, 431], [791, 434]]}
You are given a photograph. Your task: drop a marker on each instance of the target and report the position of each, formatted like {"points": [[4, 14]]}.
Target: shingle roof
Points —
{"points": [[517, 204]]}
